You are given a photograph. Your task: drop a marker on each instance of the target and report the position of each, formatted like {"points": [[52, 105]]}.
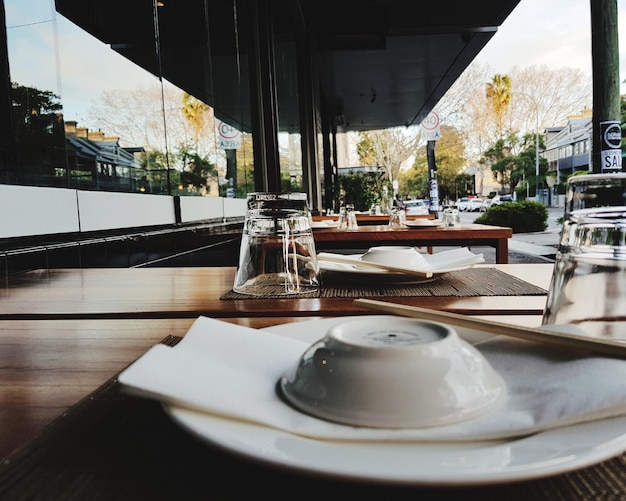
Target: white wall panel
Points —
{"points": [[100, 210], [201, 208], [234, 207], [33, 210]]}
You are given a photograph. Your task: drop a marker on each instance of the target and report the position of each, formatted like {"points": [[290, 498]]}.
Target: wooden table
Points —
{"points": [[467, 235], [67, 432], [190, 292], [368, 219]]}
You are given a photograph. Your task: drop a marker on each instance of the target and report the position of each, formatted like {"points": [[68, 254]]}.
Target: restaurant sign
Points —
{"points": [[610, 146]]}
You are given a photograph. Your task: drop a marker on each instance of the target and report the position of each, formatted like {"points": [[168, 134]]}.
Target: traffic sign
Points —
{"points": [[430, 127], [229, 137]]}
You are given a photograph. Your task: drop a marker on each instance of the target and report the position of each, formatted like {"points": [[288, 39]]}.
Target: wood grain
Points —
{"points": [[193, 291]]}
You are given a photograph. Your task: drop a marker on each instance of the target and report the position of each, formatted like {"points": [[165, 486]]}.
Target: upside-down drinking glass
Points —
{"points": [[277, 254]]}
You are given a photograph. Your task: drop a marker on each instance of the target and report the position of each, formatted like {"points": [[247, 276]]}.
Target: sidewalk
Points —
{"points": [[537, 247]]}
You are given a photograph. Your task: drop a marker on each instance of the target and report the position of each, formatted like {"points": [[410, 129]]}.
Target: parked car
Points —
{"points": [[474, 204], [500, 199], [461, 204], [415, 208], [486, 204]]}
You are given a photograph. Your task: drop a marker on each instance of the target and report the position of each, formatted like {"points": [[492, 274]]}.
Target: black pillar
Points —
{"points": [[263, 97], [7, 130], [606, 81]]}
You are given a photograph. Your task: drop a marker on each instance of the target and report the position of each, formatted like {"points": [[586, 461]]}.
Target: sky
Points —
{"points": [[79, 68], [556, 33]]}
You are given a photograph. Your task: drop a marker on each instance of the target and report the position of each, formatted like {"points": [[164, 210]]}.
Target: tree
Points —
{"points": [[39, 130], [363, 189], [164, 120], [197, 177], [557, 93], [511, 169], [465, 108], [156, 164], [499, 98], [195, 112], [389, 148], [450, 160], [554, 94]]}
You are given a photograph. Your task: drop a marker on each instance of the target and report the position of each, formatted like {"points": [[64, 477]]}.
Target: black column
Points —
{"points": [[605, 63], [7, 130], [263, 96]]}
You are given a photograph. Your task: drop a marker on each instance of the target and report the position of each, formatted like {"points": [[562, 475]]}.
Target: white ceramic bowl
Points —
{"points": [[392, 372], [395, 255]]}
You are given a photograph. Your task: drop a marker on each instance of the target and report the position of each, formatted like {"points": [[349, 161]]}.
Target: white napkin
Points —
{"points": [[454, 258], [232, 371], [440, 261]]}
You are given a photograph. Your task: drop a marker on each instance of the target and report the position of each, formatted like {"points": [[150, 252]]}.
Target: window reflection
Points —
{"points": [[155, 101]]}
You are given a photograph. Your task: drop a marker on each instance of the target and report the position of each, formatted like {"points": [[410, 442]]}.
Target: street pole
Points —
{"points": [[537, 156], [536, 105], [606, 84]]}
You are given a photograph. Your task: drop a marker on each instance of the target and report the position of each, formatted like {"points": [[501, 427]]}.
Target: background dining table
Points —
{"points": [[468, 235], [67, 432]]}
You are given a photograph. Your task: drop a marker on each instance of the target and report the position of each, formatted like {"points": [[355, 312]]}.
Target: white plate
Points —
{"points": [[423, 223], [543, 454], [373, 275], [317, 225]]}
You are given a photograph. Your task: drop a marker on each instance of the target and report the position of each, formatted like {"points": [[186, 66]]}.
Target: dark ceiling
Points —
{"points": [[382, 63]]}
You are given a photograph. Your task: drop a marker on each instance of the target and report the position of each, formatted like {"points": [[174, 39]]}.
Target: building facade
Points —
{"points": [[569, 147]]}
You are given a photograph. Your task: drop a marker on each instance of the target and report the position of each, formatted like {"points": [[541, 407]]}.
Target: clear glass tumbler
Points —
{"points": [[277, 254], [397, 218], [588, 286], [451, 217], [595, 190], [347, 218]]}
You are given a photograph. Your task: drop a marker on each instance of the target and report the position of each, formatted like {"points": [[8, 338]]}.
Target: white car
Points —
{"points": [[501, 199], [474, 204], [461, 204], [416, 208], [486, 205]]}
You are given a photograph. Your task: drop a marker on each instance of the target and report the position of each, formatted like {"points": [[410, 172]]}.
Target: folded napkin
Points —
{"points": [[232, 371], [454, 258], [441, 261], [323, 224]]}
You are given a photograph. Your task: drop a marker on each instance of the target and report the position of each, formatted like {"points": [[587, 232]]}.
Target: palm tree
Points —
{"points": [[499, 96]]}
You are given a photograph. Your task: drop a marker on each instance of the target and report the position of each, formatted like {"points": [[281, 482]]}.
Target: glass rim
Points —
{"points": [[276, 195], [615, 213], [596, 177]]}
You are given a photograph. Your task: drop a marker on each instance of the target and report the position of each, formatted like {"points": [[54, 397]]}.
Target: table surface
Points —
{"points": [[66, 431], [193, 291], [373, 218]]}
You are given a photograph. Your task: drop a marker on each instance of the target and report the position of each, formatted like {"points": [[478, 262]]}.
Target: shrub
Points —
{"points": [[523, 217]]}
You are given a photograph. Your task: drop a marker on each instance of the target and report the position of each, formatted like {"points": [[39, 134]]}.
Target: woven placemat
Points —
{"points": [[465, 283]]}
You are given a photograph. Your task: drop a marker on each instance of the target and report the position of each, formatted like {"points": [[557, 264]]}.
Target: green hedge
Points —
{"points": [[523, 217]]}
